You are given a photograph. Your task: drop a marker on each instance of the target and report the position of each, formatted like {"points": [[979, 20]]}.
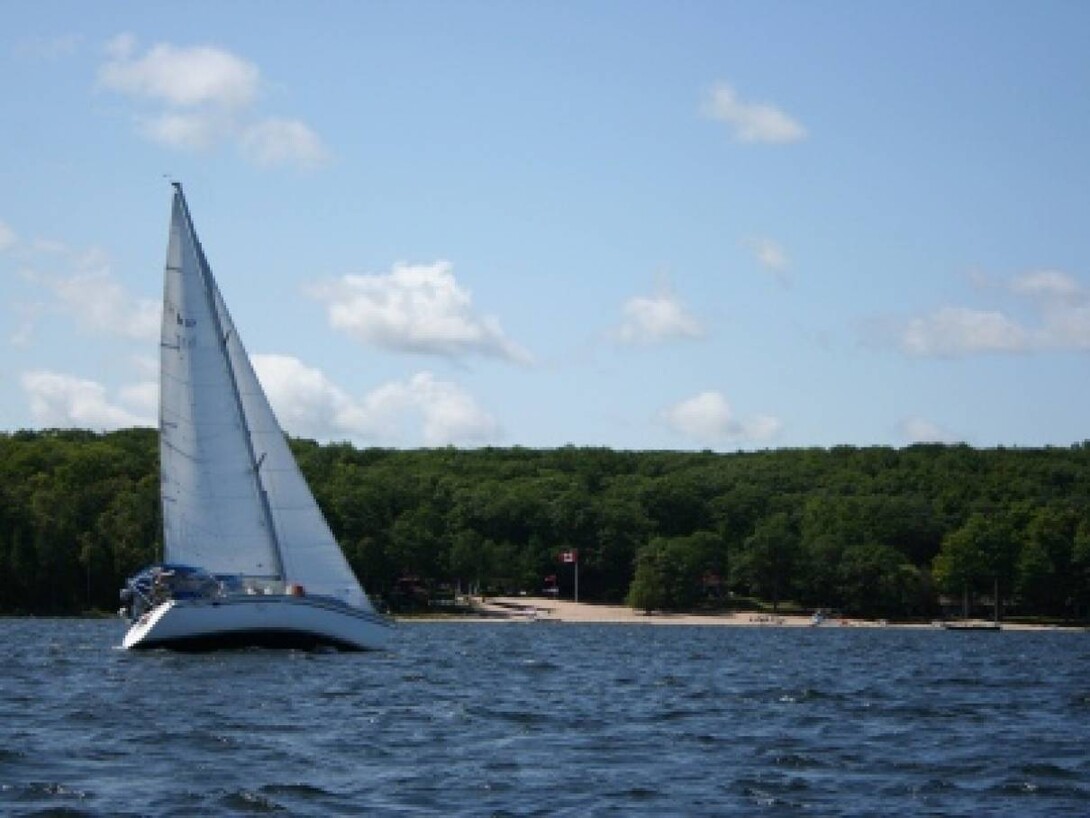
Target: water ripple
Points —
{"points": [[577, 720]]}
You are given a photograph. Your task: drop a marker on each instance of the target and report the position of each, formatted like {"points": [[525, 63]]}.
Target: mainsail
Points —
{"points": [[234, 500]]}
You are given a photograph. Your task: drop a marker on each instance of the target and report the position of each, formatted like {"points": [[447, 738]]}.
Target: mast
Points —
{"points": [[223, 337]]}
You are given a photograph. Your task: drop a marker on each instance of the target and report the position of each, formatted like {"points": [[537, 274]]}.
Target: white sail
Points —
{"points": [[234, 500], [211, 506]]}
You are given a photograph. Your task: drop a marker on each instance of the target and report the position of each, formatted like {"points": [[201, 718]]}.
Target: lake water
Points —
{"points": [[549, 719]]}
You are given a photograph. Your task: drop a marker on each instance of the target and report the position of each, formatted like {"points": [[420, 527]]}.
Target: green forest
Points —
{"points": [[872, 531]]}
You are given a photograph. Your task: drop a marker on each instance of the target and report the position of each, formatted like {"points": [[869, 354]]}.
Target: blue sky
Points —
{"points": [[643, 225]]}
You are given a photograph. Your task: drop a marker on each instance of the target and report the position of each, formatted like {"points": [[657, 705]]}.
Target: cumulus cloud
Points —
{"points": [[771, 256], [202, 96], [282, 142], [951, 331], [59, 400], [1050, 285], [750, 121], [421, 407], [415, 308], [180, 76], [192, 131], [447, 413], [1056, 310], [708, 418], [1063, 305], [306, 402], [650, 319]]}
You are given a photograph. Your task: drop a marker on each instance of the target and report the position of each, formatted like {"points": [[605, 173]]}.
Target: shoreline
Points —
{"points": [[523, 609], [520, 609]]}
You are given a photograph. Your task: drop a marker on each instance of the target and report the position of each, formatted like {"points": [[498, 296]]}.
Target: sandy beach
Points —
{"points": [[540, 609]]}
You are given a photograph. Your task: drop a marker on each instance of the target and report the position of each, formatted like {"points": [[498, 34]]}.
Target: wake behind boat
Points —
{"points": [[249, 557]]}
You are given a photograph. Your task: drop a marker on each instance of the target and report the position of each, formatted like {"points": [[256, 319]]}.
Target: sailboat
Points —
{"points": [[249, 559]]}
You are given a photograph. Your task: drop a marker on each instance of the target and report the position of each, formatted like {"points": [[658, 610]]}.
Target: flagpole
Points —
{"points": [[572, 556]]}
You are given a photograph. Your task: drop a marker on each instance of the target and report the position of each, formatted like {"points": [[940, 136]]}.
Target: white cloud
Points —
{"points": [[283, 142], [751, 121], [306, 402], [708, 418], [1051, 285], [655, 318], [953, 331], [415, 308], [205, 96], [8, 239], [192, 131], [180, 76], [919, 430], [770, 256], [1064, 308], [448, 414], [1056, 308], [58, 400], [421, 408]]}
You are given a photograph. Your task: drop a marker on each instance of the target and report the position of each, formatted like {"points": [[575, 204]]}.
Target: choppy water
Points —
{"points": [[547, 719]]}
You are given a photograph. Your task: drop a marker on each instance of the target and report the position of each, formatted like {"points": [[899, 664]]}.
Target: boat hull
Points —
{"points": [[258, 621]]}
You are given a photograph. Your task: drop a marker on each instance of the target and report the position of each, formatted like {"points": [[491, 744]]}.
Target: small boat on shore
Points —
{"points": [[971, 625]]}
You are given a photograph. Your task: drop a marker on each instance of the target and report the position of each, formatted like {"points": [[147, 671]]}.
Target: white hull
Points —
{"points": [[266, 621]]}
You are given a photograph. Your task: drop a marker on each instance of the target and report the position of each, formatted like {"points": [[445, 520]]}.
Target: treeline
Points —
{"points": [[872, 531]]}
